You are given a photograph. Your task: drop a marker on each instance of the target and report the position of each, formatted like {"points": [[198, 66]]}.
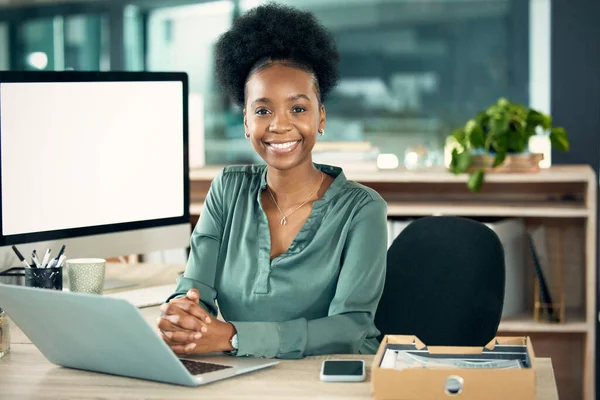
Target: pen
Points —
{"points": [[20, 257], [35, 259], [45, 260], [58, 256], [60, 261]]}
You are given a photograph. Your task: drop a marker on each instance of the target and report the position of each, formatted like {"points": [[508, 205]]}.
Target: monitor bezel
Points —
{"points": [[101, 76]]}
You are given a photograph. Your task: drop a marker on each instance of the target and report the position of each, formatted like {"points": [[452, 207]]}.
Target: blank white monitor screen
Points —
{"points": [[83, 154]]}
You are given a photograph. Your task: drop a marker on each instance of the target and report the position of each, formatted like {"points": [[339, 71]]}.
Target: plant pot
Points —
{"points": [[515, 162]]}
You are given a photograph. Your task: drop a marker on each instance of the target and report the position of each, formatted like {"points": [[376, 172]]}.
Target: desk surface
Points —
{"points": [[26, 374]]}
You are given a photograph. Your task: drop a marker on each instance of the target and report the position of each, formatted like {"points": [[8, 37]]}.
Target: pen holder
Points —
{"points": [[46, 278]]}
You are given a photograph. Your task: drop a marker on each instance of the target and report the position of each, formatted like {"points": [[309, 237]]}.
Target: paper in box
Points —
{"points": [[473, 380]]}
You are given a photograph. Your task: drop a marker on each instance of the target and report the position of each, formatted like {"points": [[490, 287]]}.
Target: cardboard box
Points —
{"points": [[453, 382]]}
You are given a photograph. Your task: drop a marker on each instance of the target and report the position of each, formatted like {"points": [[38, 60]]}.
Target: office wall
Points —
{"points": [[576, 78], [575, 88]]}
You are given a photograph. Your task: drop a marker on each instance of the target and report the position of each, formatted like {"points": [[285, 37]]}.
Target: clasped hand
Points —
{"points": [[189, 329]]}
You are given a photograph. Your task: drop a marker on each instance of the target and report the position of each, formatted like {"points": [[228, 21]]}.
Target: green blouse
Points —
{"points": [[320, 296]]}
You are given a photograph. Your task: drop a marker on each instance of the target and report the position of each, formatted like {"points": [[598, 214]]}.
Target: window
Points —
{"points": [[133, 38], [4, 47], [182, 39], [77, 42], [412, 71], [36, 45], [86, 43]]}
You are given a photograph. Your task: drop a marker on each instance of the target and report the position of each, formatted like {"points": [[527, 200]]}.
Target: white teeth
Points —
{"points": [[283, 145]]}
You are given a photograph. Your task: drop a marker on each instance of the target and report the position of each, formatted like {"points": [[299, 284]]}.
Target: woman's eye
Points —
{"points": [[262, 111], [298, 109]]}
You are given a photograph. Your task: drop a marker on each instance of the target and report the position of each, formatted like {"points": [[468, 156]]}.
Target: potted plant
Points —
{"points": [[497, 134]]}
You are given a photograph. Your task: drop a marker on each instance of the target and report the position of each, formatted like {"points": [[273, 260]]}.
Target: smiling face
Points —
{"points": [[283, 114]]}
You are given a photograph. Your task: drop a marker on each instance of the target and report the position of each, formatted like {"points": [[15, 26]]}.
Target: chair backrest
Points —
{"points": [[444, 283]]}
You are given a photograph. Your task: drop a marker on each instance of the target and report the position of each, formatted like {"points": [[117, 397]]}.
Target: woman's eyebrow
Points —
{"points": [[261, 100], [298, 97], [291, 98]]}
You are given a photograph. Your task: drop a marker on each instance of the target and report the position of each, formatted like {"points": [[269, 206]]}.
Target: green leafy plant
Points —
{"points": [[503, 128]]}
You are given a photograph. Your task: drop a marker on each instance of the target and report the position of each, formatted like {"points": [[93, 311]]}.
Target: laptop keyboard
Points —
{"points": [[200, 367]]}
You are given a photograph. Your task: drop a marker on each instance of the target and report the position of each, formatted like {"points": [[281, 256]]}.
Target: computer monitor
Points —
{"points": [[97, 161]]}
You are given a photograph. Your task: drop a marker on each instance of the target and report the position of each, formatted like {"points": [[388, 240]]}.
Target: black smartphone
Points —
{"points": [[343, 371]]}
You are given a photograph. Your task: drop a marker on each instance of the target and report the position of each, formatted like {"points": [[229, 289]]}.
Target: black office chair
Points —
{"points": [[444, 283]]}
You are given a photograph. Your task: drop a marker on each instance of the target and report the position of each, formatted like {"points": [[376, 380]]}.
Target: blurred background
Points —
{"points": [[411, 70]]}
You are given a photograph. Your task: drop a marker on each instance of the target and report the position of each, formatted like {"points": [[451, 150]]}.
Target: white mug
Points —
{"points": [[86, 275]]}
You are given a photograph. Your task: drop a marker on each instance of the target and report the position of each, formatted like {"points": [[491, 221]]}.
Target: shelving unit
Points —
{"points": [[575, 323], [474, 209], [562, 198]]}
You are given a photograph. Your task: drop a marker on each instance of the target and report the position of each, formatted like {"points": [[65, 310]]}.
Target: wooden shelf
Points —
{"points": [[525, 323], [397, 209], [478, 209], [558, 173]]}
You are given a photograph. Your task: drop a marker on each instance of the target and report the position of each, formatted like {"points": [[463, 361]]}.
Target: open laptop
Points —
{"points": [[110, 335]]}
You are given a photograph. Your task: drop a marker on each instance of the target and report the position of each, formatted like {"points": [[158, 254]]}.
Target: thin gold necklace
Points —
{"points": [[283, 220]]}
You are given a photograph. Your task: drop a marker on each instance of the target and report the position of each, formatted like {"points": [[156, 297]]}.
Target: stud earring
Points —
{"points": [[321, 132], [247, 135]]}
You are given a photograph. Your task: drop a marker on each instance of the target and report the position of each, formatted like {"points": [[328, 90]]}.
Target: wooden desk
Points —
{"points": [[26, 374]]}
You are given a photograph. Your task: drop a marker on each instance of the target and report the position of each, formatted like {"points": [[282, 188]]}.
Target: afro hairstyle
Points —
{"points": [[275, 33]]}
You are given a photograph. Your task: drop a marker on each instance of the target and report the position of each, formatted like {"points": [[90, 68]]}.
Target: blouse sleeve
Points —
{"points": [[205, 245]]}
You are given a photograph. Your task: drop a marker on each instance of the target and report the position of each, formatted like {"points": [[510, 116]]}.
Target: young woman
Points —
{"points": [[293, 253]]}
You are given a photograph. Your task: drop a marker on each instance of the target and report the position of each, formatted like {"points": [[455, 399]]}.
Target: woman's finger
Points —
{"points": [[166, 339], [176, 306], [168, 323], [196, 309], [183, 349], [179, 348], [199, 312], [180, 337], [184, 305], [186, 323], [193, 294]]}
